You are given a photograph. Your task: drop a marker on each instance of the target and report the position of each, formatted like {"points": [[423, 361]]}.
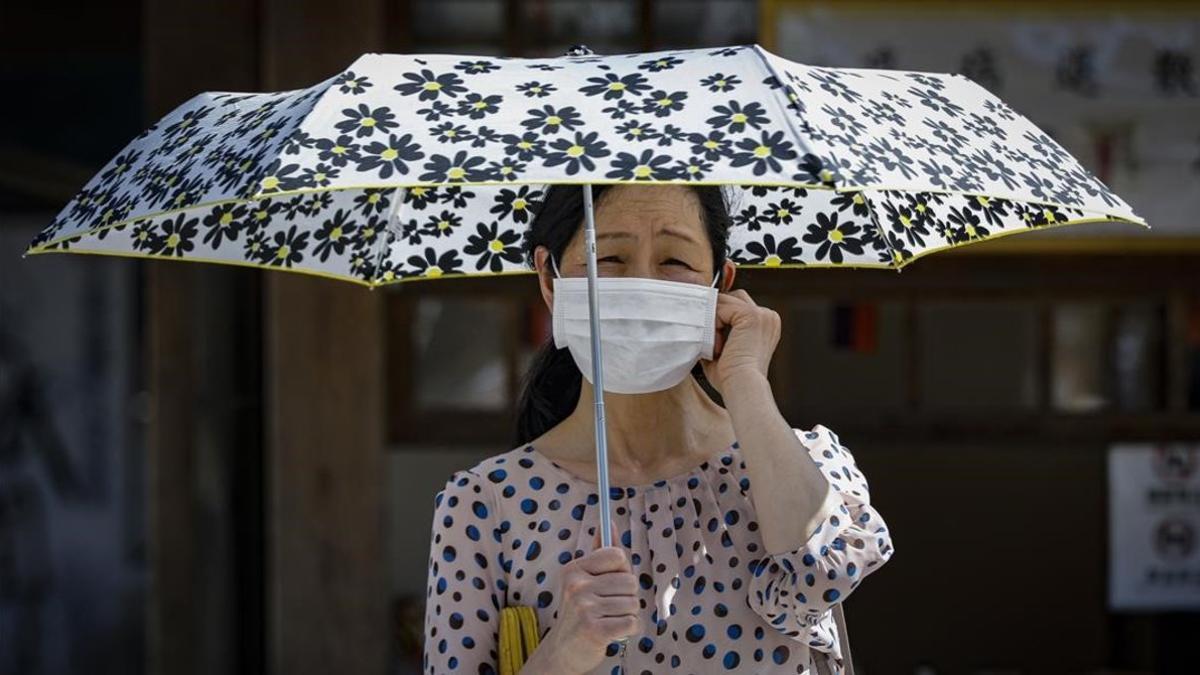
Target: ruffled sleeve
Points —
{"points": [[464, 589], [849, 540]]}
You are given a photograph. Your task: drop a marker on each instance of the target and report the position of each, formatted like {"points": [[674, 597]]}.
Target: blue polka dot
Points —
{"points": [[780, 655]]}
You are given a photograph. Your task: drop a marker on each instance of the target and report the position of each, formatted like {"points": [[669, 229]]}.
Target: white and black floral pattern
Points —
{"points": [[419, 166]]}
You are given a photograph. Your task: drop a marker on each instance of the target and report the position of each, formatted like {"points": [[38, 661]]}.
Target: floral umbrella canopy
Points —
{"points": [[418, 166]]}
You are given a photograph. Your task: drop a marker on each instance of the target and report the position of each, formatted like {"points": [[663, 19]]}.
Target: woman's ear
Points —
{"points": [[728, 272], [541, 260]]}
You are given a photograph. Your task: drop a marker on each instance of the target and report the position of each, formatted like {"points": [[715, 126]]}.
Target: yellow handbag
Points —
{"points": [[518, 637]]}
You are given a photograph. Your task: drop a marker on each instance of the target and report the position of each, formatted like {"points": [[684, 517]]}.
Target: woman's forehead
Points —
{"points": [[642, 210]]}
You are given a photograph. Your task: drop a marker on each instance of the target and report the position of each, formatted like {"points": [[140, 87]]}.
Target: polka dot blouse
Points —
{"points": [[712, 600]]}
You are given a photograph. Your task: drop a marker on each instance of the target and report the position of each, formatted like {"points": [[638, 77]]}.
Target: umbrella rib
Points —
{"points": [[790, 113], [385, 236], [882, 233]]}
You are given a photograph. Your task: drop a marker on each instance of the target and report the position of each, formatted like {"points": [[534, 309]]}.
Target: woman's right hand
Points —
{"points": [[599, 605]]}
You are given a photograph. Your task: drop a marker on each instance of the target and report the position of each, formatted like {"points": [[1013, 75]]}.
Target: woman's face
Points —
{"points": [[649, 231]]}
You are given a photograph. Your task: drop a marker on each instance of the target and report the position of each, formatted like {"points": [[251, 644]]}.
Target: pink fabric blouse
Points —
{"points": [[712, 600]]}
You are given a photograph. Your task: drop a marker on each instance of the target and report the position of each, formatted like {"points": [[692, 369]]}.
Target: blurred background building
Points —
{"points": [[221, 470]]}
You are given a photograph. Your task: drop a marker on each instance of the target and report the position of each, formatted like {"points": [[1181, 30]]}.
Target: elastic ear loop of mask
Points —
{"points": [[554, 262]]}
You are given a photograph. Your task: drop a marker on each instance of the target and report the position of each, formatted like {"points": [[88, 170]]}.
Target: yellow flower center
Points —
{"points": [[641, 171], [692, 168], [921, 207], [226, 218], [173, 240], [905, 221], [451, 133], [270, 183], [721, 83], [283, 252], [782, 213], [664, 102], [762, 151], [433, 271], [431, 86], [443, 224], [479, 105], [616, 86], [389, 154], [983, 201], [971, 231], [524, 145], [336, 233], [857, 199], [519, 204], [456, 173], [554, 119], [711, 145], [374, 196], [496, 246], [739, 118], [368, 122], [417, 191], [773, 261], [575, 151], [836, 236]]}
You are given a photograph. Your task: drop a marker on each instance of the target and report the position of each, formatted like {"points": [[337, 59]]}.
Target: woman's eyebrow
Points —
{"points": [[629, 235]]}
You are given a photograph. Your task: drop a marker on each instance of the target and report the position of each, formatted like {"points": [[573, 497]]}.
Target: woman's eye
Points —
{"points": [[609, 257], [673, 260]]}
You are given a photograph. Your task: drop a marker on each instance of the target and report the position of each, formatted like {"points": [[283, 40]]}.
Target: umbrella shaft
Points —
{"points": [[589, 234]]}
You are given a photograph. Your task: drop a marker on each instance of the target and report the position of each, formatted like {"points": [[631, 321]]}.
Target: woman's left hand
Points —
{"points": [[753, 335]]}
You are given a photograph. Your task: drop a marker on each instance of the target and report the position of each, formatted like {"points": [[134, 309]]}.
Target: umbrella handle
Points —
{"points": [[589, 234]]}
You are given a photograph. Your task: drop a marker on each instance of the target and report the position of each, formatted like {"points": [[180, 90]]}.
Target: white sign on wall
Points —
{"points": [[1154, 526]]}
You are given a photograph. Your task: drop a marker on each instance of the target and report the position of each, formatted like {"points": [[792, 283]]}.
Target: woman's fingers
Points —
{"points": [[616, 583], [729, 306]]}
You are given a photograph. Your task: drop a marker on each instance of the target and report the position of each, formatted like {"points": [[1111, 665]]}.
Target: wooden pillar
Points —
{"points": [[324, 380], [197, 419]]}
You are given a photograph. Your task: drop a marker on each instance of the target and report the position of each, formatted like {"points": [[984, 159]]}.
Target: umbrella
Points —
{"points": [[407, 167]]}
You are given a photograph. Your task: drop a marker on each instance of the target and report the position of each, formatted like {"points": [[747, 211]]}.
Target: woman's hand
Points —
{"points": [[599, 604], [752, 337]]}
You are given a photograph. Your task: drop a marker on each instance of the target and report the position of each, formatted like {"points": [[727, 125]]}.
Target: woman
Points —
{"points": [[734, 533]]}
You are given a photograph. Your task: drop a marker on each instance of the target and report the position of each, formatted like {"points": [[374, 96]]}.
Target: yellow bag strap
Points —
{"points": [[518, 637]]}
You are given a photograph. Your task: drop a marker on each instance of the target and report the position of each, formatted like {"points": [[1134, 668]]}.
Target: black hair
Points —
{"points": [[550, 388]]}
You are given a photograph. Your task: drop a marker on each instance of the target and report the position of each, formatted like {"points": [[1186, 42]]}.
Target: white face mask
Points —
{"points": [[652, 332]]}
